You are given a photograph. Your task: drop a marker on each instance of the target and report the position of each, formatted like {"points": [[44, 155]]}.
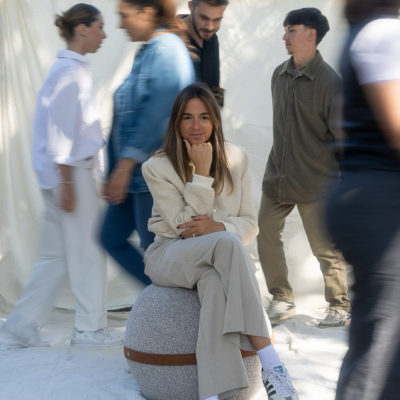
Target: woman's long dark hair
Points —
{"points": [[175, 149]]}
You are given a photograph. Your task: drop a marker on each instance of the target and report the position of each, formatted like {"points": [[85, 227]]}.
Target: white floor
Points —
{"points": [[63, 372]]}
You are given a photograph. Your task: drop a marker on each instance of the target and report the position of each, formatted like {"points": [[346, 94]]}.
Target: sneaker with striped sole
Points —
{"points": [[278, 384]]}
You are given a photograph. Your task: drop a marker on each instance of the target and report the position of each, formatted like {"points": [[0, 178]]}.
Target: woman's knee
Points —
{"points": [[117, 226], [103, 237], [228, 238], [146, 239], [109, 238]]}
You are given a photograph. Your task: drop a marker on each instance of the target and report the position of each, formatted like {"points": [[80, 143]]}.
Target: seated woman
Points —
{"points": [[202, 216]]}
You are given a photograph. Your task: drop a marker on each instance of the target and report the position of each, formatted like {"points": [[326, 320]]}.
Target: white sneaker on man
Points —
{"points": [[280, 310], [101, 337], [278, 384], [335, 317]]}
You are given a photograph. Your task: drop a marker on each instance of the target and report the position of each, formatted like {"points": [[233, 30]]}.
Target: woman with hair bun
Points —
{"points": [[142, 105], [66, 139]]}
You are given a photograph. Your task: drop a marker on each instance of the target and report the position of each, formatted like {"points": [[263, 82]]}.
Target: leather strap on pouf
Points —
{"points": [[168, 359]]}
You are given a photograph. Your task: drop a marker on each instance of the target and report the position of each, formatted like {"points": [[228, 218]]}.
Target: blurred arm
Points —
{"points": [[375, 55], [384, 99]]}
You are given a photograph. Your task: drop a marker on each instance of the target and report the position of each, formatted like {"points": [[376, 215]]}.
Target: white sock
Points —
{"points": [[212, 397], [268, 357]]}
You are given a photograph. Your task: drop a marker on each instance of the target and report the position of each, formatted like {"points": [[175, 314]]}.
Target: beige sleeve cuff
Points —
{"points": [[202, 180]]}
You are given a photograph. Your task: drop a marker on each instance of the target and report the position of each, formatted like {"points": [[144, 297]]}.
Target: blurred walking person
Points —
{"points": [[363, 212], [142, 106], [67, 136]]}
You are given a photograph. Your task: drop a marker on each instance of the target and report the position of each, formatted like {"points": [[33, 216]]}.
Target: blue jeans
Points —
{"points": [[119, 223]]}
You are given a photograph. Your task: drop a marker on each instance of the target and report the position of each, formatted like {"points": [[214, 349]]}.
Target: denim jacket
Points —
{"points": [[142, 104]]}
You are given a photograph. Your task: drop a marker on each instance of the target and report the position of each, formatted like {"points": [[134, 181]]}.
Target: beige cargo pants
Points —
{"points": [[271, 221]]}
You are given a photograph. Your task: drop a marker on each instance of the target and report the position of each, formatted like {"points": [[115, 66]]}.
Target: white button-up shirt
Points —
{"points": [[66, 126]]}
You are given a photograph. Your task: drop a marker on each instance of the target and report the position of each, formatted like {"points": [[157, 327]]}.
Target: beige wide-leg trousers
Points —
{"points": [[67, 248], [217, 264]]}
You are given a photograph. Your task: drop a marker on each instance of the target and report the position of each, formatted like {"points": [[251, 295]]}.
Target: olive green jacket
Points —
{"points": [[302, 161]]}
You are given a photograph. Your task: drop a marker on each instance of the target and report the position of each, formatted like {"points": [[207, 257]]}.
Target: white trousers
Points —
{"points": [[67, 248], [231, 309]]}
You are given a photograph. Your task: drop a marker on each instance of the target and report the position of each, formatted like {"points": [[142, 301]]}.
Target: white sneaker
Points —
{"points": [[335, 317], [101, 337], [280, 310], [10, 340], [278, 384]]}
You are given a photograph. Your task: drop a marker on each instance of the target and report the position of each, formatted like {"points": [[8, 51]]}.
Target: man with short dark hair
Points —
{"points": [[202, 24], [300, 165]]}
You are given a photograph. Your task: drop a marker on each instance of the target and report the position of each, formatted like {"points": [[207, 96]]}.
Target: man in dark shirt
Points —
{"points": [[202, 25], [301, 164]]}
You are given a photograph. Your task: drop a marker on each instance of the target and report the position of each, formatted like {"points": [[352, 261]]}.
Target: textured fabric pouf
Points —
{"points": [[162, 330]]}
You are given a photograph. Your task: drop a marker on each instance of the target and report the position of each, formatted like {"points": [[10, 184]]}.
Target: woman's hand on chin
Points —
{"points": [[201, 157], [200, 225]]}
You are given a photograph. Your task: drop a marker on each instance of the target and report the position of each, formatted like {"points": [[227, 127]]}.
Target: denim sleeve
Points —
{"points": [[170, 70]]}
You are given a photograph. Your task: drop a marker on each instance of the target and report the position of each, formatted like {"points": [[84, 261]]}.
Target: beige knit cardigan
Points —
{"points": [[176, 202]]}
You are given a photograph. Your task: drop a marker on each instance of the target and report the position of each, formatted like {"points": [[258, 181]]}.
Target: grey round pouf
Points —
{"points": [[163, 325]]}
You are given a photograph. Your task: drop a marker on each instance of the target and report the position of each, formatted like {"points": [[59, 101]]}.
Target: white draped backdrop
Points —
{"points": [[251, 47]]}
